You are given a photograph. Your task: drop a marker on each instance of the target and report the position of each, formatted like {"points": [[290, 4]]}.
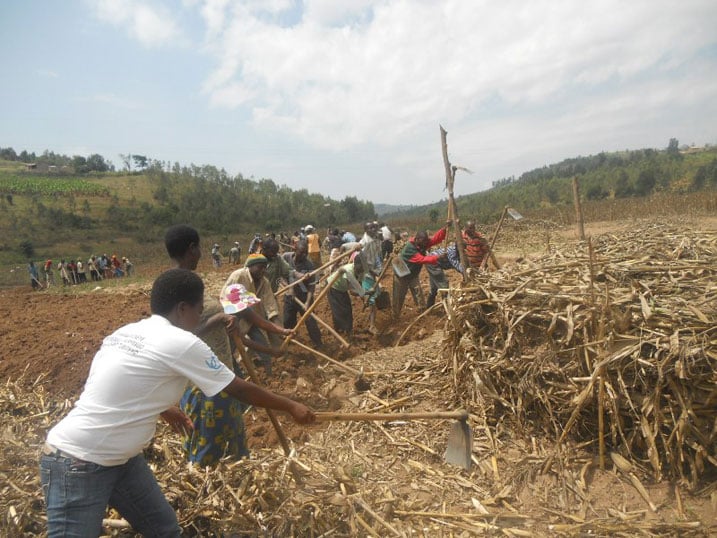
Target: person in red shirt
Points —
{"points": [[414, 255], [477, 247]]}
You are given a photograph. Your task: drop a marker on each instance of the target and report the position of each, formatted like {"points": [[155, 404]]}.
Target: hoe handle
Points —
{"points": [[324, 416]]}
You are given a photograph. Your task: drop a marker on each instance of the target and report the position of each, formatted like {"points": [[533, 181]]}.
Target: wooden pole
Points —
{"points": [[316, 271], [325, 325], [307, 313], [484, 263], [452, 209], [336, 363], [246, 361], [578, 209]]}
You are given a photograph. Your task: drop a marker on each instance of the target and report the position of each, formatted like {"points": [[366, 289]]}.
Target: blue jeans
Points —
{"points": [[77, 494]]}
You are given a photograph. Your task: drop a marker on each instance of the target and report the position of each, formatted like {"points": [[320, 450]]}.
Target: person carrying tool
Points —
{"points": [[477, 247], [414, 255], [303, 292], [217, 425], [372, 261], [278, 270], [251, 276], [448, 258], [34, 277], [216, 256], [255, 244], [235, 254], [95, 452], [345, 278], [49, 275]]}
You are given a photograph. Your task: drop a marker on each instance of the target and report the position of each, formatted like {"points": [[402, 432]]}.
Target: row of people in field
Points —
{"points": [[103, 436], [71, 272]]}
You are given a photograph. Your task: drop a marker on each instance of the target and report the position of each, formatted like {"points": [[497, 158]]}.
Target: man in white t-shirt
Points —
{"points": [[93, 457]]}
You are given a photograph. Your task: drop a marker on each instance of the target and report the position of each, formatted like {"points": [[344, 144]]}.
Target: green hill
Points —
{"points": [[605, 176], [49, 210]]}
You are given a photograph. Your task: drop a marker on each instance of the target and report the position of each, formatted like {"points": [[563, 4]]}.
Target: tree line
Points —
{"points": [[206, 196], [605, 175]]}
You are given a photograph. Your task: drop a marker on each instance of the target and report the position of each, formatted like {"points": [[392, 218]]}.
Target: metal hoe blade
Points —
{"points": [[460, 445]]}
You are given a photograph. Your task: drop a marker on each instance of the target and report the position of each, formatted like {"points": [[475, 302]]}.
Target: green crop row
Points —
{"points": [[50, 186]]}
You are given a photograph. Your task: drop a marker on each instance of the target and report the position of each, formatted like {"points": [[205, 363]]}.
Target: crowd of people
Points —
{"points": [[186, 353], [71, 272]]}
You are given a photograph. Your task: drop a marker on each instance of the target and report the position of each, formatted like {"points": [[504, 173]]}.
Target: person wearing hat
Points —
{"points": [[94, 456], [212, 436], [235, 253], [252, 277], [256, 244], [216, 256]]}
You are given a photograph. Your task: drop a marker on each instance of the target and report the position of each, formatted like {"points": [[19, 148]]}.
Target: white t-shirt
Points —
{"points": [[386, 233], [140, 370]]}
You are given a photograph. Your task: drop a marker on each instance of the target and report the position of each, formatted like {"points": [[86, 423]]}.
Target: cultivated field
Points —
{"points": [[384, 479]]}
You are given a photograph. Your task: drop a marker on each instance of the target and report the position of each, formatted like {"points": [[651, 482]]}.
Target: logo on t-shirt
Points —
{"points": [[213, 363]]}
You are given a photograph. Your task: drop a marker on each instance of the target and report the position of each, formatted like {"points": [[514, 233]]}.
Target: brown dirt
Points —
{"points": [[53, 335]]}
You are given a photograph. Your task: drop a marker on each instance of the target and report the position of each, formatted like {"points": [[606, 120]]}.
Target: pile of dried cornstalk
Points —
{"points": [[614, 344]]}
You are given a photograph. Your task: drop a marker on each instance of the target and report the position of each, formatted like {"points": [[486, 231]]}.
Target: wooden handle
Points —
{"points": [[324, 416], [317, 270], [246, 361], [325, 325], [307, 313], [336, 363], [484, 263]]}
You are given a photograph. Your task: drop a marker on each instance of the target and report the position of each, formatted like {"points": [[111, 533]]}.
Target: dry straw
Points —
{"points": [[617, 349]]}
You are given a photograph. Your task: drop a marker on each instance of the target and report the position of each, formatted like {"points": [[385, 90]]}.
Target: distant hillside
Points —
{"points": [[52, 210], [618, 175], [383, 209], [58, 206]]}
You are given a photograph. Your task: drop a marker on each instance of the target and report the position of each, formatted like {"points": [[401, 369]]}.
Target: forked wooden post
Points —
{"points": [[452, 209], [578, 209]]}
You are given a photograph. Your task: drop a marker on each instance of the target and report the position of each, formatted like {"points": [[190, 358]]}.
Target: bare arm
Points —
{"points": [[255, 319], [255, 395]]}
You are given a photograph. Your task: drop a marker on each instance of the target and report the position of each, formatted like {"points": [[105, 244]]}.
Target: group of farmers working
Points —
{"points": [[75, 271], [179, 364]]}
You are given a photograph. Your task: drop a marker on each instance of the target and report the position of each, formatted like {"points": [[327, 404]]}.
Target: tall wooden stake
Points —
{"points": [[578, 209], [452, 209]]}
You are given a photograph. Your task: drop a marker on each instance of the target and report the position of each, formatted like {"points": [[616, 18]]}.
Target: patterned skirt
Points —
{"points": [[218, 427]]}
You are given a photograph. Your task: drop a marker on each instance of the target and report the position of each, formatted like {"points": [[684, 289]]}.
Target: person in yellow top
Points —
{"points": [[312, 238]]}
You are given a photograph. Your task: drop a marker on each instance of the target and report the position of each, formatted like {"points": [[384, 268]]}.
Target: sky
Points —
{"points": [[345, 97]]}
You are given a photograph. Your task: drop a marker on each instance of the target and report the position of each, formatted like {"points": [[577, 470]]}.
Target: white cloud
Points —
{"points": [[412, 64], [149, 23]]}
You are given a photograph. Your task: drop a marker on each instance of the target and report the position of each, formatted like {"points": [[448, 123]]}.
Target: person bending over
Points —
{"points": [[93, 457]]}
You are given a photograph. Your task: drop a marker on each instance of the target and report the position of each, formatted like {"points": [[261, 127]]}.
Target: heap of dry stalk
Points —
{"points": [[613, 345]]}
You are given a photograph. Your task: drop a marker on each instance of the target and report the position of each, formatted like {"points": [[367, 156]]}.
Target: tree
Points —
{"points": [[97, 163], [126, 159], [79, 163], [623, 189], [8, 154], [140, 161], [645, 182], [433, 215], [673, 147]]}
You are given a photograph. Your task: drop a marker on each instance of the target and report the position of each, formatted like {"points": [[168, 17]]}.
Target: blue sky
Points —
{"points": [[345, 97]]}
